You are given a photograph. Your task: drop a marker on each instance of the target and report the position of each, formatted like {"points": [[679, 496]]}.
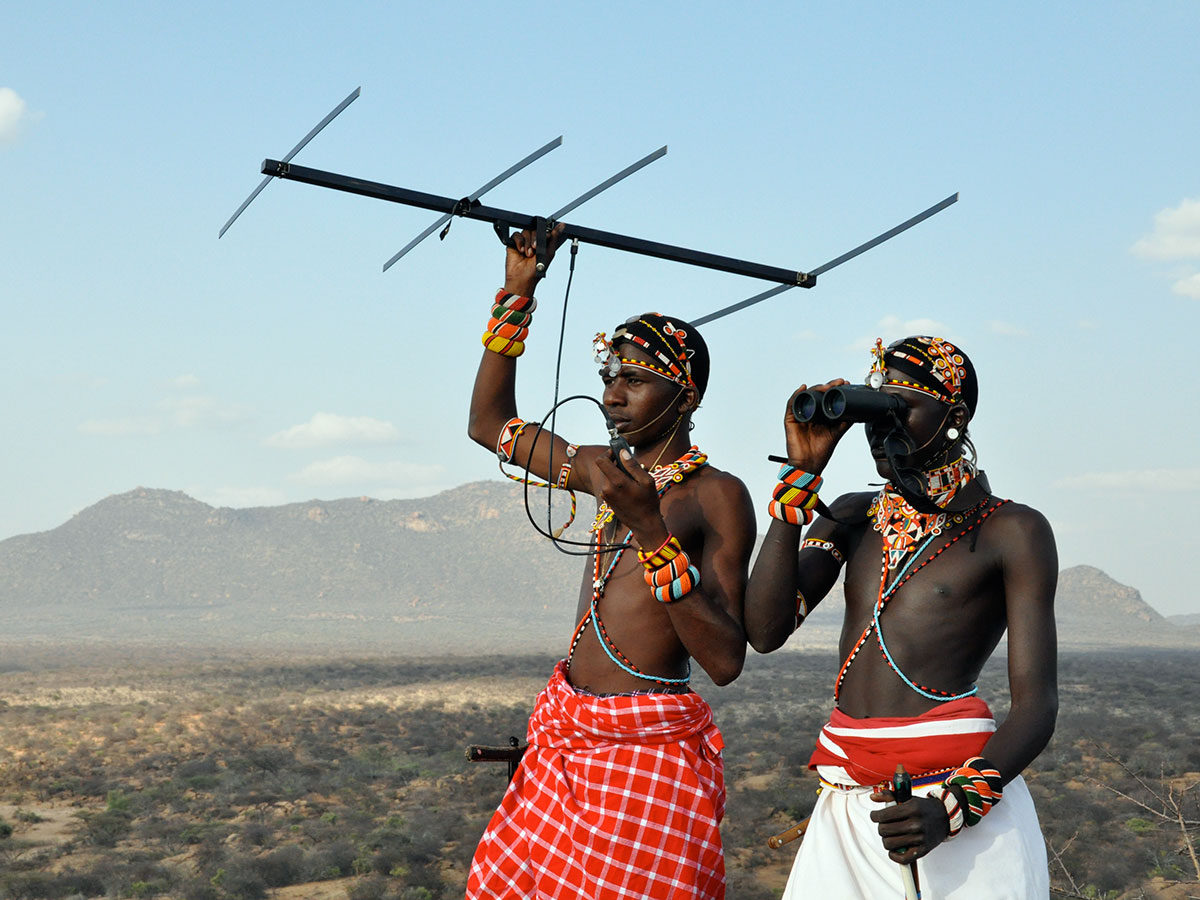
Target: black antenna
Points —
{"points": [[502, 220], [337, 110], [837, 261], [473, 197]]}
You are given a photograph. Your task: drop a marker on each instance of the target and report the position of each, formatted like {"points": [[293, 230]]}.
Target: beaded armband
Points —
{"points": [[980, 781], [507, 441], [509, 325], [827, 546], [564, 471], [506, 445], [669, 572], [795, 495]]}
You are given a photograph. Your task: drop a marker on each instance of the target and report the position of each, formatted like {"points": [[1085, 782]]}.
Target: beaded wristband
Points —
{"points": [[953, 811], [980, 781], [509, 325], [669, 573], [657, 558], [795, 496]]}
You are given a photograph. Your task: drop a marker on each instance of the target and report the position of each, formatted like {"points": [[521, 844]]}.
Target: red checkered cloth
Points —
{"points": [[869, 749], [616, 798]]}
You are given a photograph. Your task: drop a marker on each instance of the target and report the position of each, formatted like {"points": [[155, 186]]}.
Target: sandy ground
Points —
{"points": [[56, 828]]}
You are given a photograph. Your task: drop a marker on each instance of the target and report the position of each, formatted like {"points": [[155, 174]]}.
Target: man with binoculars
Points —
{"points": [[937, 568]]}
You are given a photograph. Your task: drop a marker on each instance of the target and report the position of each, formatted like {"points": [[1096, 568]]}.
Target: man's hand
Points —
{"points": [[910, 829], [520, 262], [631, 494], [810, 444]]}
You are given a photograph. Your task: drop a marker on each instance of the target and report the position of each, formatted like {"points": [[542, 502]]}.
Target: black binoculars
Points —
{"points": [[848, 403]]}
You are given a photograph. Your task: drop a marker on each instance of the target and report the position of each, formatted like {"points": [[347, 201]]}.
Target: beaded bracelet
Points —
{"points": [[953, 811], [980, 781], [509, 325], [795, 496], [669, 573]]}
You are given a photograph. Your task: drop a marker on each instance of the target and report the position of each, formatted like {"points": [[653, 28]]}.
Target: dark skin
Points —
{"points": [[941, 626], [709, 512]]}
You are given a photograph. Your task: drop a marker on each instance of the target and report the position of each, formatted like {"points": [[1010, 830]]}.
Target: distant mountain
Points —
{"points": [[462, 570], [1094, 609]]}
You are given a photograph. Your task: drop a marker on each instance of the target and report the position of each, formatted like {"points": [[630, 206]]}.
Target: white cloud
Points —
{"points": [[121, 427], [183, 407], [1145, 481], [1176, 234], [1188, 287], [201, 410], [13, 115], [343, 470], [325, 429], [1006, 329]]}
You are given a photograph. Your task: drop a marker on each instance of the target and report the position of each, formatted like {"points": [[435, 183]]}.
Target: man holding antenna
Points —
{"points": [[937, 568], [620, 792]]}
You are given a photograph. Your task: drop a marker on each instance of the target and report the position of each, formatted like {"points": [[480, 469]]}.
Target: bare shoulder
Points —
{"points": [[716, 487], [1023, 541], [852, 505], [1020, 525]]}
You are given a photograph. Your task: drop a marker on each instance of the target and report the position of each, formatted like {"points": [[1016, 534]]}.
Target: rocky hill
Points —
{"points": [[462, 570]]}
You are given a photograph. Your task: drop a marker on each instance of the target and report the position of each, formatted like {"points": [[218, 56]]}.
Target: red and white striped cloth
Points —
{"points": [[616, 798], [842, 855], [867, 750]]}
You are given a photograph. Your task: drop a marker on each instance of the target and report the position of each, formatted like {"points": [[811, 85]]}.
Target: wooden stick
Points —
{"points": [[902, 792]]}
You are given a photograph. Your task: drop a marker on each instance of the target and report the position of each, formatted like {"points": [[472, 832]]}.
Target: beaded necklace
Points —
{"points": [[664, 478], [887, 591], [902, 526]]}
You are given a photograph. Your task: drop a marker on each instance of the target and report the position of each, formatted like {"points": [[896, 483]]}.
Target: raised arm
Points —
{"points": [[781, 573], [494, 400]]}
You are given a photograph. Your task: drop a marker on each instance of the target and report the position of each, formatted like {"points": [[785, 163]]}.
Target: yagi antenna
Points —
{"points": [[472, 198], [353, 95], [836, 261], [544, 227]]}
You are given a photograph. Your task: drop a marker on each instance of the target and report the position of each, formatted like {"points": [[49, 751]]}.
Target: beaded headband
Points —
{"points": [[665, 341], [938, 365]]}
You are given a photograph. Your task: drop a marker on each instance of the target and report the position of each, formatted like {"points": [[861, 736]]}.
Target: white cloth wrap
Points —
{"points": [[842, 855]]}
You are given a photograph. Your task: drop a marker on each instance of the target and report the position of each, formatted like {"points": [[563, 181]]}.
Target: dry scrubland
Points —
{"points": [[294, 778]]}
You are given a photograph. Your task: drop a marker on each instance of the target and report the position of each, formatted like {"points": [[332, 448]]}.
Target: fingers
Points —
{"points": [[629, 470], [525, 243]]}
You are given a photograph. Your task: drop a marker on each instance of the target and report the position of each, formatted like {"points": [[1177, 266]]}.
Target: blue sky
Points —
{"points": [[279, 364]]}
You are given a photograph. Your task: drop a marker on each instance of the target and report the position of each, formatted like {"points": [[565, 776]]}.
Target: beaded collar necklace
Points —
{"points": [[903, 527], [664, 478]]}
